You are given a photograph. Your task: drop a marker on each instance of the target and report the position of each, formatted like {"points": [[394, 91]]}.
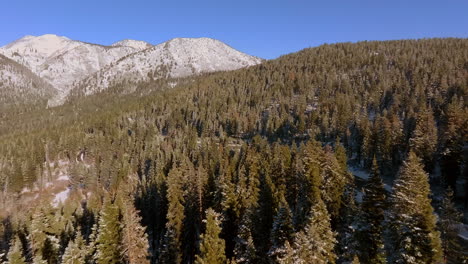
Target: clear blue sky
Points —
{"points": [[265, 28]]}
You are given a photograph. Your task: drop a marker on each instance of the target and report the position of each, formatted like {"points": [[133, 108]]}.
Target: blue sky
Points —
{"points": [[266, 29]]}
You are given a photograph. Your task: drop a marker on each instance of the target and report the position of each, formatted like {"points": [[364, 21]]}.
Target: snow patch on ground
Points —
{"points": [[63, 178], [359, 173], [387, 187], [363, 176], [359, 196], [463, 231], [61, 197]]}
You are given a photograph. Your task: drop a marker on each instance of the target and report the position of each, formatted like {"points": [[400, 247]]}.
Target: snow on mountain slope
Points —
{"points": [[88, 68], [178, 57], [61, 61], [75, 64], [136, 44], [18, 84], [32, 51]]}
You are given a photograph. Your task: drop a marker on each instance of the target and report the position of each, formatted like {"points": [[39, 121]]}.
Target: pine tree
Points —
{"points": [[310, 181], [171, 252], [288, 256], [15, 255], [262, 216], [333, 182], [37, 235], [134, 239], [413, 222], [44, 244], [212, 246], [449, 219], [50, 249], [347, 240], [76, 251], [371, 246], [453, 138], [282, 231], [91, 249], [109, 236], [316, 242], [424, 138], [340, 154], [244, 249]]}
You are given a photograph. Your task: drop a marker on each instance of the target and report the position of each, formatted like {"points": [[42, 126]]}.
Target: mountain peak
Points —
{"points": [[178, 57], [194, 40], [68, 64], [136, 44]]}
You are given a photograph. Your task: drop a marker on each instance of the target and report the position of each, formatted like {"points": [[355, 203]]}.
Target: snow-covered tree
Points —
{"points": [[315, 244], [76, 251], [282, 231], [412, 218], [37, 235], [244, 249], [288, 255], [44, 244]]}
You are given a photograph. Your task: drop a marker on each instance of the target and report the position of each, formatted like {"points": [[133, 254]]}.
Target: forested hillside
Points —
{"points": [[352, 152], [20, 88]]}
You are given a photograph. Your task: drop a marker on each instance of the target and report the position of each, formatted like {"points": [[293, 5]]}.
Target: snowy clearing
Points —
{"points": [[60, 197], [63, 178]]}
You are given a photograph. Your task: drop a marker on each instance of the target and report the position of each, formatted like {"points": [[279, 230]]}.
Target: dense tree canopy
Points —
{"points": [[267, 148]]}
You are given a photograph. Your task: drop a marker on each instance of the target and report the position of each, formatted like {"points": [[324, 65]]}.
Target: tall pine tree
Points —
{"points": [[244, 249], [282, 231], [413, 222], [134, 239], [15, 255], [448, 226], [372, 216], [76, 251], [212, 246], [315, 244], [109, 236], [424, 138], [171, 252]]}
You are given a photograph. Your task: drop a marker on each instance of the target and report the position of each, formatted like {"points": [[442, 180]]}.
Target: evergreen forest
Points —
{"points": [[342, 153]]}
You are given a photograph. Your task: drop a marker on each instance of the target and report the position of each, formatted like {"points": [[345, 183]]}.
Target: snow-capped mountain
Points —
{"points": [[75, 64], [19, 84], [32, 51], [136, 44], [89, 68], [61, 61], [178, 57]]}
